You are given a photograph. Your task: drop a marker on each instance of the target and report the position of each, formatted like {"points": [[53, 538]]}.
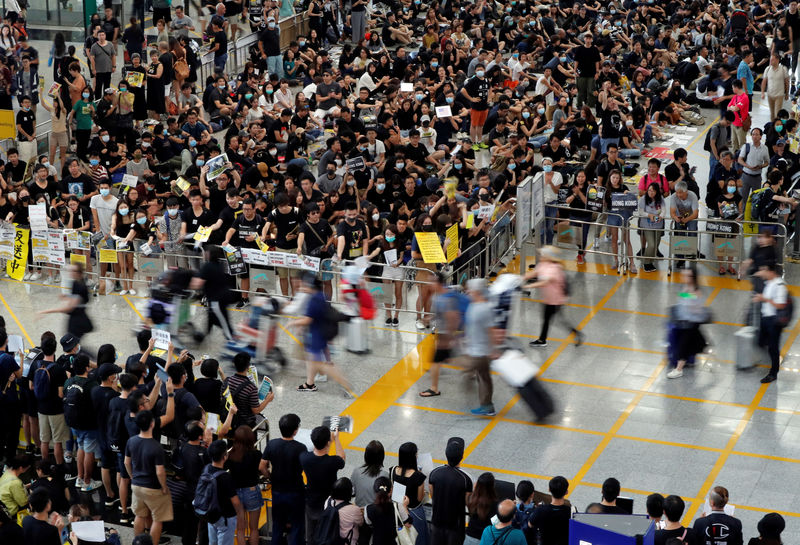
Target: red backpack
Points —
{"points": [[366, 304]]}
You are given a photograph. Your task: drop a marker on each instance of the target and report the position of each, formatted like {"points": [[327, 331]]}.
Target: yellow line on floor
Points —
{"points": [[19, 324], [136, 310], [370, 405]]}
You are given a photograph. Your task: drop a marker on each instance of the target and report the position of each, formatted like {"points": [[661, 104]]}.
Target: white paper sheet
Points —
{"points": [[398, 492]]}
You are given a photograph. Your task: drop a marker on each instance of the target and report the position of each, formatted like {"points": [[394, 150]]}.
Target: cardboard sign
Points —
{"points": [[595, 198], [108, 256], [235, 261], [135, 79], [485, 212], [430, 248], [130, 180], [216, 166], [624, 202], [452, 246], [54, 89], [443, 111]]}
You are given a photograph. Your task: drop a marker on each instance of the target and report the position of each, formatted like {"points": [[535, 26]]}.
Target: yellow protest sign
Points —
{"points": [[261, 245], [135, 78], [450, 188], [16, 267], [470, 219], [226, 394], [77, 259], [108, 256], [430, 248], [202, 234], [452, 242]]}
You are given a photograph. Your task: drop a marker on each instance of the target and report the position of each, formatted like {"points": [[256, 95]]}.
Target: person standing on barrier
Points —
{"points": [[684, 211], [753, 158], [552, 279], [774, 299], [652, 208], [213, 279]]}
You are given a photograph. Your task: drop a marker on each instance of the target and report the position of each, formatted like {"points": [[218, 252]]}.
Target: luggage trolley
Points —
{"points": [[258, 336], [682, 245]]}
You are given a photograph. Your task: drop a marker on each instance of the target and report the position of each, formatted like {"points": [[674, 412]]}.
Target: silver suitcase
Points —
{"points": [[357, 336], [746, 348]]}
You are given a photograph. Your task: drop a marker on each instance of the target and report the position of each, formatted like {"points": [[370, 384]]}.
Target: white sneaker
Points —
{"points": [[26, 276], [675, 373], [131, 292], [123, 292], [68, 457], [320, 378], [79, 483], [420, 324], [35, 276], [91, 485]]}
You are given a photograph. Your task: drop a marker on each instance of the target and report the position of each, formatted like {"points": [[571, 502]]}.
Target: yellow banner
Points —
{"points": [[16, 267], [202, 234], [77, 259], [452, 242], [108, 256], [430, 248]]}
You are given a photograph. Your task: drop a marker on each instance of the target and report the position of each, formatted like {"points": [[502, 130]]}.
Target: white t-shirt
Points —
{"points": [[774, 290], [775, 80], [542, 89], [550, 196], [377, 149], [105, 211]]}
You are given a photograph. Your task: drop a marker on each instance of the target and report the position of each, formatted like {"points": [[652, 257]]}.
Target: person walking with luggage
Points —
{"points": [[686, 317], [552, 280], [478, 343], [774, 301]]}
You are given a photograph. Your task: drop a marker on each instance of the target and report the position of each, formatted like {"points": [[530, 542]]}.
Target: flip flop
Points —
{"points": [[429, 393]]}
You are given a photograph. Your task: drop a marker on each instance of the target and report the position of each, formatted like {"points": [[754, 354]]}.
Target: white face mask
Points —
{"points": [[376, 217]]}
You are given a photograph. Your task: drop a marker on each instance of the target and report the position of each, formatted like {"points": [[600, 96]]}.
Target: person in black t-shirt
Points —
{"points": [[321, 471], [214, 281], [36, 527], [219, 45], [551, 520], [286, 220], [611, 490], [449, 488], [281, 461], [244, 231], [476, 91], [673, 511], [224, 528], [588, 60], [352, 237]]}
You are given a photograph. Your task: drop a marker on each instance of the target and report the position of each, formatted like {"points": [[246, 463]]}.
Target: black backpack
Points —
{"points": [[78, 410], [330, 327], [206, 498], [327, 532]]}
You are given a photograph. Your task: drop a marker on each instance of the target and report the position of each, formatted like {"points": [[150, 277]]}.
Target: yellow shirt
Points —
{"points": [[12, 493]]}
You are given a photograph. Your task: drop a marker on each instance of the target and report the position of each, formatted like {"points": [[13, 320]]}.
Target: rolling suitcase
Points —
{"points": [[357, 336], [747, 349], [520, 372], [537, 398]]}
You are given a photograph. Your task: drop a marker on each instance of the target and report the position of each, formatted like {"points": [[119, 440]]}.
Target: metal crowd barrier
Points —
{"points": [[568, 234]]}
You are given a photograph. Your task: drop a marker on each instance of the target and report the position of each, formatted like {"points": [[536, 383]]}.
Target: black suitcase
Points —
{"points": [[537, 399]]}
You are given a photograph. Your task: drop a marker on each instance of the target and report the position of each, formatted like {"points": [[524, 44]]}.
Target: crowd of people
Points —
{"points": [[383, 120]]}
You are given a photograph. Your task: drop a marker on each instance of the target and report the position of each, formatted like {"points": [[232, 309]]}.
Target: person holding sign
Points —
{"points": [[617, 218], [578, 201], [652, 208], [424, 278], [121, 228], [393, 274], [684, 211], [213, 279]]}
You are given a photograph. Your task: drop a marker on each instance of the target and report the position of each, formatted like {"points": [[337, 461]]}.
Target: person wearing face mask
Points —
{"points": [[122, 223], [83, 113], [103, 207], [730, 206], [97, 171], [476, 91]]}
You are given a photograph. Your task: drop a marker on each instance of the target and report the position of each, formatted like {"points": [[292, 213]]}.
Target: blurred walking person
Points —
{"points": [[552, 279]]}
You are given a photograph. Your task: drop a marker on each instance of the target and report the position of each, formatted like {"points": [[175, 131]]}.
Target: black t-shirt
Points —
{"points": [[80, 186], [216, 281], [216, 200], [662, 536], [611, 124], [152, 364], [101, 397], [354, 236], [412, 484], [279, 126], [316, 235], [382, 201], [52, 404], [245, 472], [613, 510], [208, 392], [587, 57], [450, 486], [117, 409], [321, 472], [478, 88], [552, 521], [205, 219], [244, 228], [40, 532], [286, 224], [225, 491], [284, 458], [416, 154], [27, 122], [12, 534], [15, 173], [195, 458], [145, 455]]}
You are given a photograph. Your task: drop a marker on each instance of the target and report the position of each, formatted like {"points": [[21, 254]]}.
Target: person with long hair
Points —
{"points": [[651, 209], [482, 506], [365, 476], [59, 135], [406, 473], [243, 461], [121, 226], [57, 52]]}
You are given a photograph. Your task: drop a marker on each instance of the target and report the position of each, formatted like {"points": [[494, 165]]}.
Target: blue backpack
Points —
{"points": [[41, 382], [206, 499]]}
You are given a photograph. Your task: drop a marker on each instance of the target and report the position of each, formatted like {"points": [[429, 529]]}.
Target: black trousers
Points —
{"points": [[770, 337], [9, 431], [103, 80], [552, 312]]}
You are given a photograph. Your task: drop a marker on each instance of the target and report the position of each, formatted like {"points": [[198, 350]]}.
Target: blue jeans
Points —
{"points": [[550, 213], [222, 532], [299, 162], [712, 165], [647, 137], [219, 62], [537, 141], [604, 142], [628, 153], [420, 523], [275, 65], [288, 508]]}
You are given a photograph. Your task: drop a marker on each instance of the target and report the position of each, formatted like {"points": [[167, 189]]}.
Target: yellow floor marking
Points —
{"points": [[382, 394], [16, 320], [136, 310]]}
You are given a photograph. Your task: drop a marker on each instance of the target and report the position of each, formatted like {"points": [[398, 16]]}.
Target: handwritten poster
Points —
{"points": [[452, 242], [430, 248]]}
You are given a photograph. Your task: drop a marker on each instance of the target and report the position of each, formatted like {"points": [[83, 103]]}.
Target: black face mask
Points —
{"points": [[350, 220]]}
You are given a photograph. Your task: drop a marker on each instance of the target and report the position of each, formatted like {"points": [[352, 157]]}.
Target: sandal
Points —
{"points": [[721, 271], [429, 393], [732, 271]]}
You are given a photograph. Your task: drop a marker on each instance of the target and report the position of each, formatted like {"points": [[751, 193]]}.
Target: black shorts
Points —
{"points": [[441, 355], [108, 459]]}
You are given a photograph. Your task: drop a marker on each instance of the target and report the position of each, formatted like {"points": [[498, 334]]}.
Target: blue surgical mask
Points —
{"points": [[268, 91], [26, 109], [105, 192], [123, 211], [222, 86], [351, 183], [458, 166], [141, 221], [540, 110], [778, 127], [105, 138], [449, 100], [192, 142], [248, 96], [380, 187], [617, 23], [731, 190], [547, 168], [515, 55], [271, 25], [479, 73], [85, 95], [389, 239], [434, 64], [562, 59], [491, 25], [526, 115], [612, 11], [165, 132], [94, 162], [400, 165], [419, 96], [512, 166], [199, 162], [508, 10], [301, 43], [172, 212]]}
